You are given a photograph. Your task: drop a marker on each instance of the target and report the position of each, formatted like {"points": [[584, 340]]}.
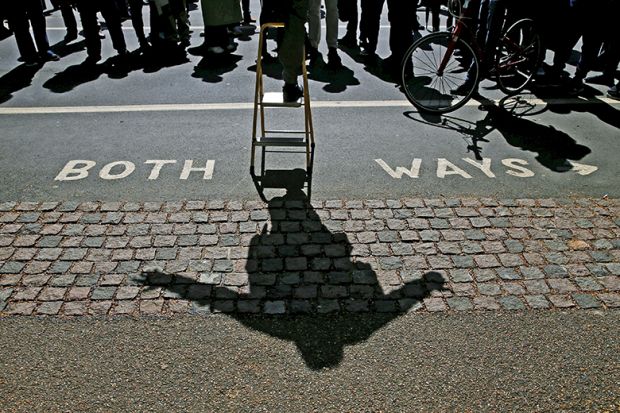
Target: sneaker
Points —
{"points": [[49, 55], [602, 79], [614, 92], [292, 92], [333, 60]]}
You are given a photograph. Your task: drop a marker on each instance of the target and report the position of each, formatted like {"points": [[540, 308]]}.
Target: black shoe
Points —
{"points": [[313, 55], [91, 60], [602, 79], [576, 87], [292, 92], [70, 36], [185, 43], [614, 92], [367, 50], [333, 60], [247, 20]]}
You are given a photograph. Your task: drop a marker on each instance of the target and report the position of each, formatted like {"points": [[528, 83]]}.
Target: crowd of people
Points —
{"points": [[563, 23]]}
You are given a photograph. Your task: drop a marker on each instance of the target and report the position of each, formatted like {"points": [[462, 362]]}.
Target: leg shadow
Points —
{"points": [[15, 80]]}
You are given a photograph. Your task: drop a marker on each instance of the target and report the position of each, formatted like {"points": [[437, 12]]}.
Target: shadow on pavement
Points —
{"points": [[211, 68], [554, 148], [15, 80], [299, 267]]}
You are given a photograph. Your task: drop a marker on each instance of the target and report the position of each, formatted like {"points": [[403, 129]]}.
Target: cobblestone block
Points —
{"points": [[76, 308], [125, 308], [611, 300], [435, 304], [78, 293], [561, 285], [103, 293], [20, 308], [49, 308], [586, 300], [612, 282], [275, 307], [511, 303], [489, 289], [561, 300], [485, 303]]}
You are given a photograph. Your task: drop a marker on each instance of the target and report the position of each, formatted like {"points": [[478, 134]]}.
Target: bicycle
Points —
{"points": [[437, 65]]}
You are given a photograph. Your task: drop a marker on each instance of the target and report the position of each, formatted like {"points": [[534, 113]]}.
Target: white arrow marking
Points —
{"points": [[582, 169]]}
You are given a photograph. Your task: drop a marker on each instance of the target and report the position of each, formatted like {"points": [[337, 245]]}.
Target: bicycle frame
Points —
{"points": [[467, 12]]}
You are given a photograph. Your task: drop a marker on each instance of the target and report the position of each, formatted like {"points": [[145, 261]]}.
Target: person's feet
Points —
{"points": [[49, 56], [91, 60], [576, 86], [313, 55], [614, 92], [70, 36], [292, 92], [333, 60], [348, 40], [602, 79]]}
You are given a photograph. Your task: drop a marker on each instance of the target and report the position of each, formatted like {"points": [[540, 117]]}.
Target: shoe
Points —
{"points": [[215, 50], [268, 58], [292, 92], [185, 43], [312, 54], [231, 47], [49, 56], [348, 40], [333, 60], [602, 79], [614, 92], [247, 20], [70, 36], [576, 86], [31, 62], [367, 50], [91, 60]]}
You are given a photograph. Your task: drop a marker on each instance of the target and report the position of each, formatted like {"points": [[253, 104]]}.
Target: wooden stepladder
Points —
{"points": [[279, 138]]}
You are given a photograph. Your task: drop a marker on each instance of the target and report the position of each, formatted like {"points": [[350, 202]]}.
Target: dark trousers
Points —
{"points": [[21, 15], [245, 5], [136, 19], [67, 16], [370, 21], [402, 17], [88, 14]]}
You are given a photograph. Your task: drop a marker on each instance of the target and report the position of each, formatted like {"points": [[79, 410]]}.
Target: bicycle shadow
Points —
{"points": [[554, 148], [296, 264]]}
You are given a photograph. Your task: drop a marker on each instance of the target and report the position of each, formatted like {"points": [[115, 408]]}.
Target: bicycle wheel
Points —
{"points": [[517, 58], [439, 91]]}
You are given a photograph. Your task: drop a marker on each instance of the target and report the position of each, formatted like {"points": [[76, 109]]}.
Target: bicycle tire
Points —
{"points": [[431, 91], [518, 57]]}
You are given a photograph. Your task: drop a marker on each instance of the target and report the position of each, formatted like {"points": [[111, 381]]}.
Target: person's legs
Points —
{"points": [[137, 21], [18, 22], [112, 17], [39, 28], [290, 51], [370, 23], [69, 19], [314, 23], [88, 16]]}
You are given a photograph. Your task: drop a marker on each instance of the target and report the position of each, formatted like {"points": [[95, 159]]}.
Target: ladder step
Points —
{"points": [[276, 99], [280, 141]]}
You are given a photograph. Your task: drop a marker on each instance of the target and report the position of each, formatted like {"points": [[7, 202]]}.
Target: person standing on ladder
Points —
{"points": [[291, 50]]}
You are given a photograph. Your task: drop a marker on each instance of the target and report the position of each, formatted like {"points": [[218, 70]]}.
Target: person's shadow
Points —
{"points": [[311, 280]]}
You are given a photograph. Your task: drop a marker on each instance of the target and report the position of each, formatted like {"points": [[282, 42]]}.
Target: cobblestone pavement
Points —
{"points": [[434, 255]]}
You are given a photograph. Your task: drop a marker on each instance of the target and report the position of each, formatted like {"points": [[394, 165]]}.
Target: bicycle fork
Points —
{"points": [[449, 50]]}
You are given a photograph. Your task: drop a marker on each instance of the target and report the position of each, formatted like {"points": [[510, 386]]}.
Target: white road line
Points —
{"points": [[248, 105]]}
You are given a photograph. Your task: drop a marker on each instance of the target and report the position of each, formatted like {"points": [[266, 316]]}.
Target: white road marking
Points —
{"points": [[248, 105]]}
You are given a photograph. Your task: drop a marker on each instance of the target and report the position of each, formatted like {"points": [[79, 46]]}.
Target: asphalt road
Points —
{"points": [[533, 361], [366, 133]]}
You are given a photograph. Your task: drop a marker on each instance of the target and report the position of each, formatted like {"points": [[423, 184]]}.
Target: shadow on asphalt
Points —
{"points": [[295, 259], [554, 148]]}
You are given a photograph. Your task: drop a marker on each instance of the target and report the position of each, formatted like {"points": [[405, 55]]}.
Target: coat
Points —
{"points": [[221, 12]]}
